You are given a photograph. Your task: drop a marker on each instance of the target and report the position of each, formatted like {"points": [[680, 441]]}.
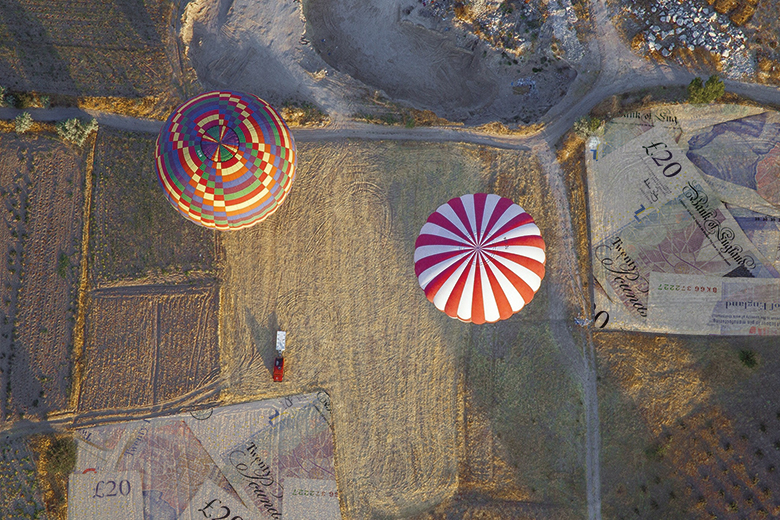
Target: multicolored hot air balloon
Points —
{"points": [[225, 160], [479, 258]]}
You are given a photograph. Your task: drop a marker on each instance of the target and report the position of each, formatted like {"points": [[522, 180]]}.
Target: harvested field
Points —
{"points": [[43, 186], [136, 233], [430, 414], [169, 351], [91, 48], [689, 429]]}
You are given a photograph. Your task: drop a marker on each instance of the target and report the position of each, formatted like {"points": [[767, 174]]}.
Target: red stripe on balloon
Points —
{"points": [[457, 206], [479, 210], [501, 207], [527, 240], [451, 307], [443, 222], [515, 222], [436, 240], [477, 302], [425, 263], [529, 263], [502, 302], [522, 287], [434, 285]]}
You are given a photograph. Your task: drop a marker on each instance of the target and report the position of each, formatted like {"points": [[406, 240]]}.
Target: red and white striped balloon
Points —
{"points": [[479, 258]]}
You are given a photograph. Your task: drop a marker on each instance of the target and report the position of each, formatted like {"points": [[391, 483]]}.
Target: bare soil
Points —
{"points": [[169, 350], [338, 55], [93, 48], [43, 222]]}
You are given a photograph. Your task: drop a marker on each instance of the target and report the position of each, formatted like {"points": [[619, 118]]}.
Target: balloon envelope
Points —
{"points": [[479, 258], [225, 160]]}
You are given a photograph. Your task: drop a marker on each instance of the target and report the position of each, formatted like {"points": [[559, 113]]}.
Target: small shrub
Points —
{"points": [[63, 264], [708, 92], [586, 126], [75, 130], [748, 358], [23, 122]]}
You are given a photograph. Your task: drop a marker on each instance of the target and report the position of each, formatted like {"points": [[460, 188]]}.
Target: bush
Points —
{"points": [[748, 358], [23, 122], [586, 126], [708, 92], [75, 130]]}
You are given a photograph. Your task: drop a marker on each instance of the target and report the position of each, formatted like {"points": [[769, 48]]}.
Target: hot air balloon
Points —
{"points": [[479, 258], [225, 160]]}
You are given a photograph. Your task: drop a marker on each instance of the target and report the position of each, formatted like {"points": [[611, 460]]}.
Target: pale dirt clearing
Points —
{"points": [[169, 350], [344, 56], [414, 393], [46, 218]]}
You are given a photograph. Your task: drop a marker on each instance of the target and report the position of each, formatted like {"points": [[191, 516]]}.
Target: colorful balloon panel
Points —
{"points": [[479, 258], [225, 160]]}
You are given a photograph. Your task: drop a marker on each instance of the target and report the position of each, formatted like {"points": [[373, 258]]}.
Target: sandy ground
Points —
{"points": [[337, 54], [424, 406]]}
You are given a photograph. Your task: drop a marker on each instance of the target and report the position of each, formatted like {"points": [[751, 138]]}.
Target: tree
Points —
{"points": [[699, 92]]}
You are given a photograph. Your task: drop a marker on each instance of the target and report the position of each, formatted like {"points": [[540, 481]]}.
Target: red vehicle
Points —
{"points": [[278, 368]]}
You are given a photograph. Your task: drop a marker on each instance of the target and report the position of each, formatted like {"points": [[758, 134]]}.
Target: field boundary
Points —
{"points": [[79, 330]]}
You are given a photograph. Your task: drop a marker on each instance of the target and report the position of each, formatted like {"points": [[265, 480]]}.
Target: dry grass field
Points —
{"points": [[42, 204], [135, 233], [690, 426], [486, 419], [91, 48], [147, 345]]}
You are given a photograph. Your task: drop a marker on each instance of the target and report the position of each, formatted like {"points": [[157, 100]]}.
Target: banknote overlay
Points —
{"points": [[714, 305], [232, 460], [653, 211], [105, 494]]}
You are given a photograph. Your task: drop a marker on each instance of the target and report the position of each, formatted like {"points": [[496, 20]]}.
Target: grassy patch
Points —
{"points": [[135, 233]]}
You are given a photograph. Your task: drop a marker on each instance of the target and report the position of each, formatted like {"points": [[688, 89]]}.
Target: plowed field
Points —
{"points": [[147, 345], [42, 182]]}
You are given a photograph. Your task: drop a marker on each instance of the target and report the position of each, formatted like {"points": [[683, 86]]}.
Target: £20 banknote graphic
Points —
{"points": [[714, 305], [653, 212]]}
